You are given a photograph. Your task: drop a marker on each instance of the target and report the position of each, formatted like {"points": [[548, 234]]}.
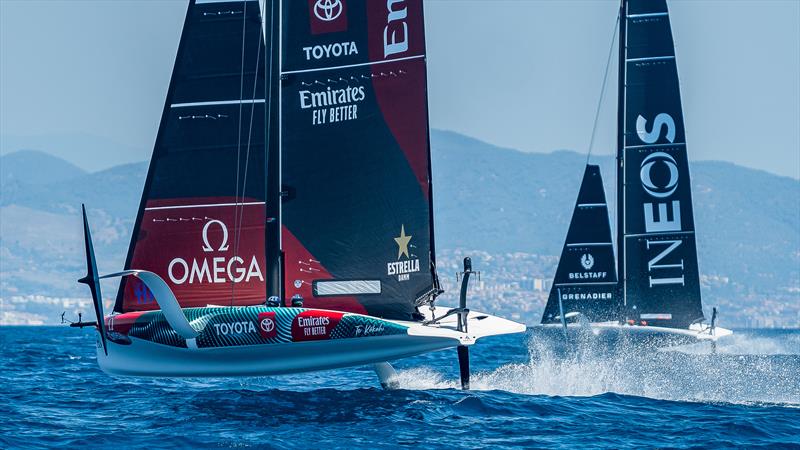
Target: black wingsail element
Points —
{"points": [[200, 224], [661, 283], [586, 278], [357, 227]]}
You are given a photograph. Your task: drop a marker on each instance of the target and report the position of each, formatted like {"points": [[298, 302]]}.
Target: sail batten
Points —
{"points": [[371, 63], [219, 102], [650, 58]]}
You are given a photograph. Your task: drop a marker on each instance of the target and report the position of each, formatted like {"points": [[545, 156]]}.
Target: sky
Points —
{"points": [[518, 74]]}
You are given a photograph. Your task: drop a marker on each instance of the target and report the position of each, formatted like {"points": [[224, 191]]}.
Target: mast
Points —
{"points": [[623, 25], [274, 253]]}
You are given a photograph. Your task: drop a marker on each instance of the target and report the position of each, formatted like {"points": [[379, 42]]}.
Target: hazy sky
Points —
{"points": [[521, 74]]}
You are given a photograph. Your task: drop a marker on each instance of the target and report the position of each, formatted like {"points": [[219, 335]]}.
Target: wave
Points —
{"points": [[747, 343], [747, 369]]}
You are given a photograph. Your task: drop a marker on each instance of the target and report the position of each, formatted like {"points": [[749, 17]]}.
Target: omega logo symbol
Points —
{"points": [[328, 10], [206, 245], [659, 158]]}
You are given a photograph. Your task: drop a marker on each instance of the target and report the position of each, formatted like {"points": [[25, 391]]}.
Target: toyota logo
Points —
{"points": [[328, 10], [267, 325]]}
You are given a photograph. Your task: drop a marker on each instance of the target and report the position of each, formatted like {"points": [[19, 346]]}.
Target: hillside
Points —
{"points": [[35, 167], [502, 200], [493, 200]]}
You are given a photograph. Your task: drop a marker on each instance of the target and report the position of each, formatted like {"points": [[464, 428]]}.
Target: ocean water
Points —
{"points": [[52, 394]]}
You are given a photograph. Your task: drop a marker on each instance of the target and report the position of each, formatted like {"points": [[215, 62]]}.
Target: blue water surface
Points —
{"points": [[746, 395]]}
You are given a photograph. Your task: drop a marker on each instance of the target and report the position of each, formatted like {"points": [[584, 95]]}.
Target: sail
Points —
{"points": [[357, 225], [200, 224], [661, 282], [586, 277]]}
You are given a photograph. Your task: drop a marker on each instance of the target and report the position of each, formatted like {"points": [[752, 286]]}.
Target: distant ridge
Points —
{"points": [[504, 200], [486, 198], [87, 151], [36, 167]]}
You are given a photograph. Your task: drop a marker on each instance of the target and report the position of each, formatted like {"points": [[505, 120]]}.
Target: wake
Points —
{"points": [[745, 369]]}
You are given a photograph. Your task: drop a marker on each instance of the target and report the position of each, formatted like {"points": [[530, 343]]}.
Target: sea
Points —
{"points": [[524, 394]]}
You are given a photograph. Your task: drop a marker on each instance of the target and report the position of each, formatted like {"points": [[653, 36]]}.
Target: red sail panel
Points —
{"points": [[404, 104], [209, 253]]}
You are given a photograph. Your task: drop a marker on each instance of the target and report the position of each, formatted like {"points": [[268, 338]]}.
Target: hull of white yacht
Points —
{"points": [[612, 335]]}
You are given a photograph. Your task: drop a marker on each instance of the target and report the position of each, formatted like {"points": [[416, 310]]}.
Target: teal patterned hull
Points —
{"points": [[256, 325], [255, 341]]}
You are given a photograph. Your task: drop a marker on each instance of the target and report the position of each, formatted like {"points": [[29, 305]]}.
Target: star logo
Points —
{"points": [[402, 242]]}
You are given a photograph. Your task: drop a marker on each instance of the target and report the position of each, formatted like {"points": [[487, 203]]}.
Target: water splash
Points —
{"points": [[745, 370], [744, 343], [423, 378]]}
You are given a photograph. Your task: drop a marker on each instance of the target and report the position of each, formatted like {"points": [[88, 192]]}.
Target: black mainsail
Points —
{"points": [[661, 283], [292, 159], [357, 221], [586, 278], [656, 250]]}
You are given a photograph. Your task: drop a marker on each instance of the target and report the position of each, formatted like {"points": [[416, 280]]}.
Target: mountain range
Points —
{"points": [[486, 198]]}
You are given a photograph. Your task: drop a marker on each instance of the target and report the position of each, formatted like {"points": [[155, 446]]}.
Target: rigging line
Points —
{"points": [[238, 234], [602, 90], [239, 137], [621, 15]]}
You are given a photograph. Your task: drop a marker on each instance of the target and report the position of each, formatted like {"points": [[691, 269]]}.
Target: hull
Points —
{"points": [[254, 341], [145, 358], [612, 335]]}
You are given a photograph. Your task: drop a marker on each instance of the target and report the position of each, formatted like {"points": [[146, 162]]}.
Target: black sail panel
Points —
{"points": [[357, 229], [201, 219], [586, 277], [661, 277]]}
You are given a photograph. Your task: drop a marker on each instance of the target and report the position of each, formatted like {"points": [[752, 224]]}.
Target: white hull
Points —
{"points": [[146, 358], [614, 333]]}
